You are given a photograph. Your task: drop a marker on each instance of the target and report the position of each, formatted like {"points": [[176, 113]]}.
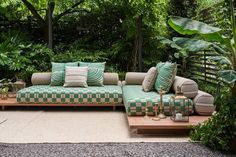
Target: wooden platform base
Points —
{"points": [[163, 126], [12, 102]]}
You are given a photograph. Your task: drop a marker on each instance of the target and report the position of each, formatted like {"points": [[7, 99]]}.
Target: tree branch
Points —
{"points": [[33, 11], [68, 11]]}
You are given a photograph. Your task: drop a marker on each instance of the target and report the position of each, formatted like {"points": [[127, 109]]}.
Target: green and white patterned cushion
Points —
{"points": [[95, 72], [135, 101], [108, 94], [94, 65], [95, 76], [166, 75], [58, 72], [159, 65]]}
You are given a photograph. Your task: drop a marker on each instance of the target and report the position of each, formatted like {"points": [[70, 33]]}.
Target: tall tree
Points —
{"points": [[149, 16], [43, 21]]}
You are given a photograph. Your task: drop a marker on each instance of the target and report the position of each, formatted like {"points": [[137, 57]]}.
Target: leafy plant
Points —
{"points": [[20, 58], [220, 130], [6, 85], [207, 37]]}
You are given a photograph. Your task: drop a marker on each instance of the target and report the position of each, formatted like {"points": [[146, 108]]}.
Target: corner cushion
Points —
{"points": [[204, 103], [134, 78]]}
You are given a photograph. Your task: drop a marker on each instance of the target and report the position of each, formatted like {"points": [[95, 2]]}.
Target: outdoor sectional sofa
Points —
{"points": [[43, 94], [114, 93], [135, 99]]}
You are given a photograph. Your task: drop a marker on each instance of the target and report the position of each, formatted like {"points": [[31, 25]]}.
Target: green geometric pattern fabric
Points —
{"points": [[95, 72], [108, 94], [135, 101], [94, 65], [58, 72], [159, 65], [166, 75]]}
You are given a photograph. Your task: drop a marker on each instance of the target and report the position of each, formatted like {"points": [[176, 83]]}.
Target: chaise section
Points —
{"points": [[135, 101], [108, 94]]}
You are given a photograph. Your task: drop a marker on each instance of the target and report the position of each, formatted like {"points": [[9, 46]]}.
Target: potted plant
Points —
{"points": [[6, 85], [4, 92]]}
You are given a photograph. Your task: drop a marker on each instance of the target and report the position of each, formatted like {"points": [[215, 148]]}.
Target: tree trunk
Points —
{"points": [[234, 89], [50, 24], [135, 63], [140, 44], [44, 32]]}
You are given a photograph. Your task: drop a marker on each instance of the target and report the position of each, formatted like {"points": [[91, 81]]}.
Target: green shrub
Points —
{"points": [[219, 131], [19, 58]]}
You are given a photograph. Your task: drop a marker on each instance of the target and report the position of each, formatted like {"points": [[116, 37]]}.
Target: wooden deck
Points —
{"points": [[13, 102], [163, 126]]}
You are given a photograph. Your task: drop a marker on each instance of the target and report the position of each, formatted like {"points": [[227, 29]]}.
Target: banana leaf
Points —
{"points": [[228, 76], [188, 26], [192, 45]]}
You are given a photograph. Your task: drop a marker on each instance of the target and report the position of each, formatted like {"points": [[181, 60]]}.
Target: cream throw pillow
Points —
{"points": [[149, 79], [76, 77]]}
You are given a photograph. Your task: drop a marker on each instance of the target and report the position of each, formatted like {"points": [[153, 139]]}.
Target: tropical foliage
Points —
{"points": [[206, 37]]}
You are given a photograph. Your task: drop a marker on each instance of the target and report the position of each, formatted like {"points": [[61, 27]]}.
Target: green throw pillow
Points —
{"points": [[95, 65], [58, 72], [166, 75], [95, 72]]}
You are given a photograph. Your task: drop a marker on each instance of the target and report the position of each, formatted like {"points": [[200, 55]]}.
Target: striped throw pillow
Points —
{"points": [[58, 72], [149, 79], [95, 72], [166, 75], [76, 77]]}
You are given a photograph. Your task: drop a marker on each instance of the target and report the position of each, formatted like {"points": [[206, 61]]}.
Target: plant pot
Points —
{"points": [[20, 84], [4, 96], [11, 95]]}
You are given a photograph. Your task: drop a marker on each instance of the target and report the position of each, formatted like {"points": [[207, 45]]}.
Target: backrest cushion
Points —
{"points": [[134, 78], [91, 64], [58, 72], [149, 79], [110, 79], [41, 78], [95, 72], [166, 75], [188, 87], [45, 78], [76, 76]]}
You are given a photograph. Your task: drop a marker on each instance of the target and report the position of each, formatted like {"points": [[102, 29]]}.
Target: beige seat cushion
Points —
{"points": [[204, 103], [149, 79], [76, 77]]}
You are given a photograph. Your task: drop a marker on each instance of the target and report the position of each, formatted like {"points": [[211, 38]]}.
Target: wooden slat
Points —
{"points": [[195, 62], [208, 68], [210, 78]]}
